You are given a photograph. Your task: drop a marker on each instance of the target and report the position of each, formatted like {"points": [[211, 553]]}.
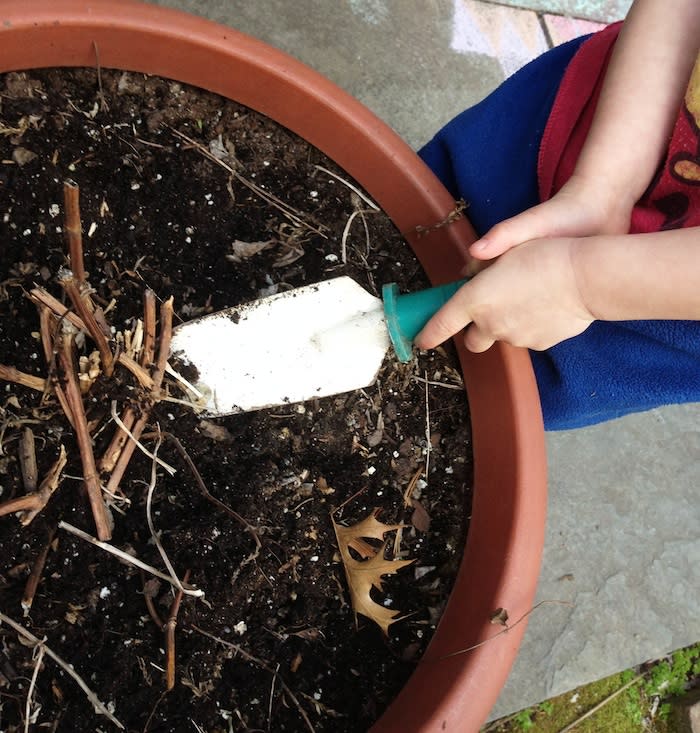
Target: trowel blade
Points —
{"points": [[314, 341]]}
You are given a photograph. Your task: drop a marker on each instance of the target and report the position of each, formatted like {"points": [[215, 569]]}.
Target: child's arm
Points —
{"points": [[639, 102], [548, 290], [569, 261]]}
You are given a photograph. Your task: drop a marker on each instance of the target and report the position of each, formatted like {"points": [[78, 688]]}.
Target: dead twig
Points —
{"points": [[34, 578], [164, 340], [603, 703], [456, 213], [74, 228], [68, 668], [10, 374], [42, 297], [111, 455], [140, 445], [349, 185], [82, 435], [446, 385], [32, 684], [149, 518], [149, 329], [166, 330], [128, 559], [205, 491], [129, 442], [428, 440], [263, 665], [142, 376], [47, 333], [72, 286], [104, 107], [292, 214], [27, 461], [31, 504], [505, 630], [170, 626], [150, 591]]}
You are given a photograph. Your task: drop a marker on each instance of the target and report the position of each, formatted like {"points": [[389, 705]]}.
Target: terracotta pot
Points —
{"points": [[502, 556]]}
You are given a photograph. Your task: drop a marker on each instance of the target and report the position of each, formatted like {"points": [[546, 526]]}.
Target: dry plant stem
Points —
{"points": [[74, 228], [263, 665], [292, 214], [111, 455], [150, 606], [447, 385], [166, 332], [43, 297], [502, 631], [33, 503], [428, 440], [27, 461], [32, 685], [10, 374], [142, 376], [35, 576], [453, 216], [149, 329], [205, 491], [149, 518], [68, 668], [27, 503], [47, 331], [128, 559], [129, 444], [71, 285], [349, 185], [170, 627], [82, 435], [166, 336], [603, 703]]}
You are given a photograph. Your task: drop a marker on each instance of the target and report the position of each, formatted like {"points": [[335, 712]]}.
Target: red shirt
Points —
{"points": [[673, 198]]}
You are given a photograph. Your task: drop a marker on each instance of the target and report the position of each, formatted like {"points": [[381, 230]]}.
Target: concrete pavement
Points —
{"points": [[623, 538]]}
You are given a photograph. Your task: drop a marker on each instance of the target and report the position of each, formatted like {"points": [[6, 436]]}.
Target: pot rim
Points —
{"points": [[501, 562]]}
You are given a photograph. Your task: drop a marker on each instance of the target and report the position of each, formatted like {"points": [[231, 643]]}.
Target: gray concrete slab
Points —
{"points": [[604, 11], [395, 56], [622, 546], [623, 538]]}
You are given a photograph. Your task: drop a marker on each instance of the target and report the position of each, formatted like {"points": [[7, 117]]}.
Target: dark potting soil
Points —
{"points": [[174, 187]]}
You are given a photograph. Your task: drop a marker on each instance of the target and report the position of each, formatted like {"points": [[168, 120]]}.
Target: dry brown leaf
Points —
{"points": [[241, 251], [420, 518], [363, 575]]}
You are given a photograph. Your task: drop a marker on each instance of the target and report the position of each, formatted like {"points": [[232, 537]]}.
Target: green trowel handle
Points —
{"points": [[407, 314]]}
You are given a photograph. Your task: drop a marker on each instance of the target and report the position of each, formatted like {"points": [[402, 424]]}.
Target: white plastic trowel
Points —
{"points": [[314, 341]]}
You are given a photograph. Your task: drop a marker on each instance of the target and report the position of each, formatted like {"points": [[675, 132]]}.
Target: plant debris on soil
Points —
{"points": [[188, 204]]}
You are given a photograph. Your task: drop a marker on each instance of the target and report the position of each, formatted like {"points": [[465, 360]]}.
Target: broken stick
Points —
{"points": [[74, 228], [82, 436]]}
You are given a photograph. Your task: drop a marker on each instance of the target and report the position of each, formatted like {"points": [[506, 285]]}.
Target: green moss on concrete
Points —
{"points": [[640, 708]]}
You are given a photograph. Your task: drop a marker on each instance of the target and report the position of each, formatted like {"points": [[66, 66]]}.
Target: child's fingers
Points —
{"points": [[449, 320], [474, 267], [531, 224], [477, 340]]}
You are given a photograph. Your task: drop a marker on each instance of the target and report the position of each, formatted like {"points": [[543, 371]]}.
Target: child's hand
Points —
{"points": [[582, 208], [529, 297]]}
